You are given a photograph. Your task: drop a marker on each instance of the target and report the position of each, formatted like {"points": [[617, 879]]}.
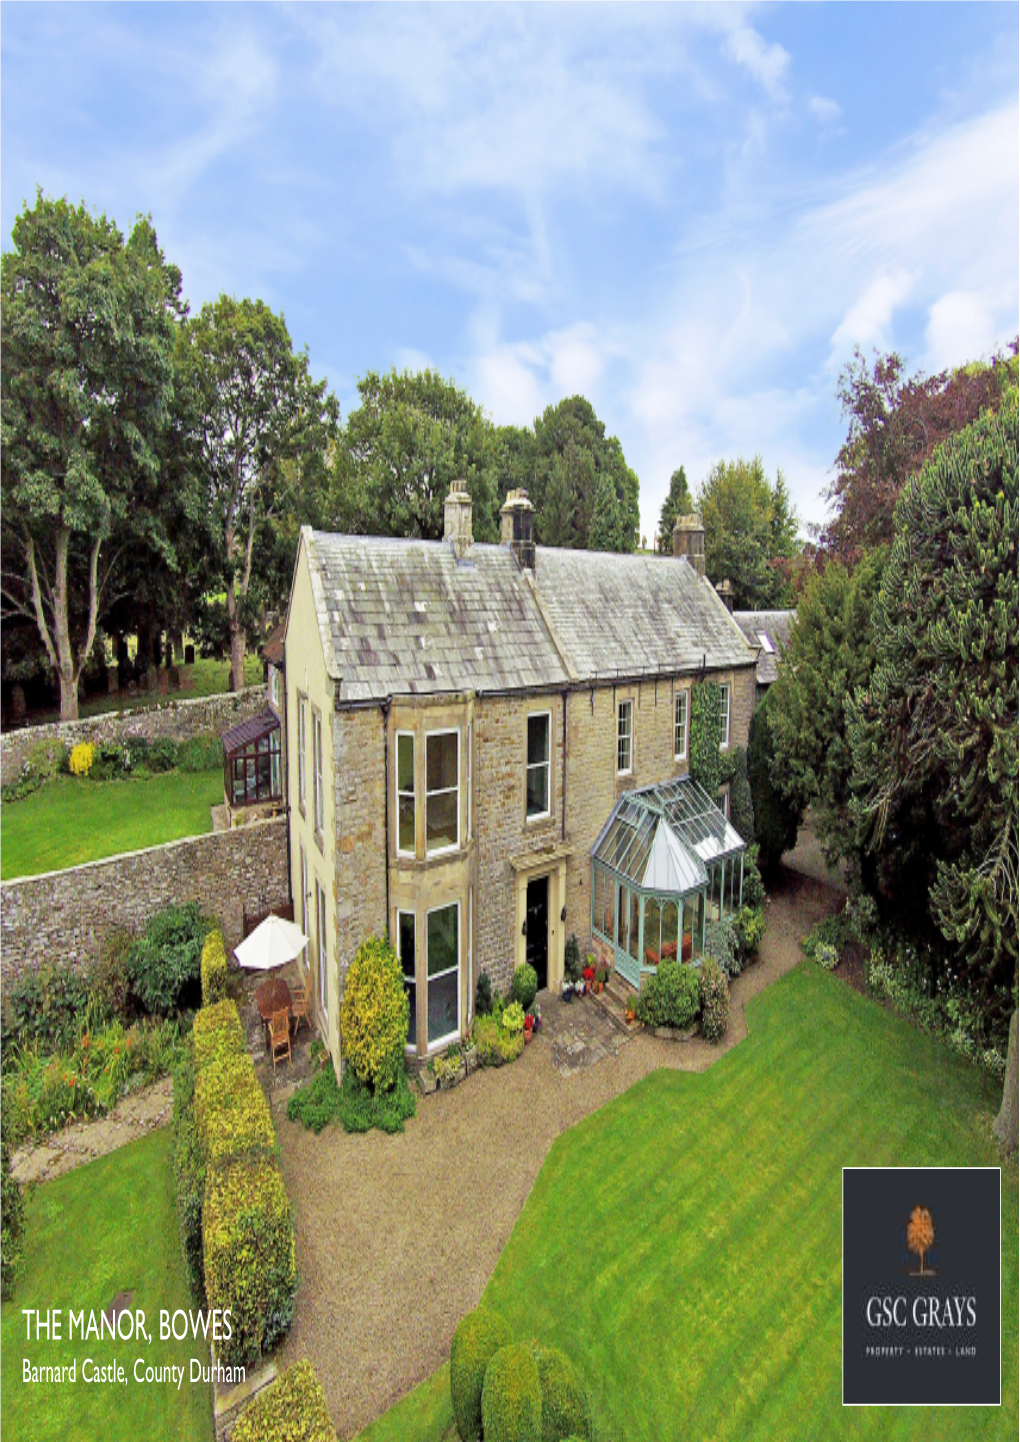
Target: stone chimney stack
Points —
{"points": [[724, 591], [689, 541], [516, 531], [457, 520]]}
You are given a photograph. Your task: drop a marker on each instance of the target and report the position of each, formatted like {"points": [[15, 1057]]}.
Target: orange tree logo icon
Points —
{"points": [[921, 1238]]}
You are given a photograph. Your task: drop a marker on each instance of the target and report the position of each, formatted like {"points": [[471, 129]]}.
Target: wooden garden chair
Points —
{"points": [[279, 1035], [299, 1007]]}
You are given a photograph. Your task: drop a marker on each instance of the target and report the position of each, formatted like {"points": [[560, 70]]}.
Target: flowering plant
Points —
{"points": [[81, 759]]}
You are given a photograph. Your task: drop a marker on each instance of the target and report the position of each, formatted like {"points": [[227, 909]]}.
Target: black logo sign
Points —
{"points": [[921, 1286]]}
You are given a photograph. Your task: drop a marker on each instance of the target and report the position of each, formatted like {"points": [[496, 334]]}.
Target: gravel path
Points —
{"points": [[397, 1236]]}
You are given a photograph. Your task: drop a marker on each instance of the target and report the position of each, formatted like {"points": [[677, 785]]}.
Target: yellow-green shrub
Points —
{"points": [[512, 1397], [217, 1032], [374, 1015], [293, 1409], [82, 756], [214, 968], [565, 1410], [476, 1341], [231, 1112], [248, 1246]]}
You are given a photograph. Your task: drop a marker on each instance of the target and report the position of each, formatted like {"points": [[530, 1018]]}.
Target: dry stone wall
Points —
{"points": [[64, 915], [178, 720]]}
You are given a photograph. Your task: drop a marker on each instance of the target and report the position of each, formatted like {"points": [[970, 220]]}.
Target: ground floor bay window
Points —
{"points": [[665, 864], [442, 958]]}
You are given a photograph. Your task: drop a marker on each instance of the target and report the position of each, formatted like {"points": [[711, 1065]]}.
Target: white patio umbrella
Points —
{"points": [[273, 943]]}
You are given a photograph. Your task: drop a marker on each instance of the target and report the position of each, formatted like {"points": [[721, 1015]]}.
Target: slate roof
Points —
{"points": [[776, 626], [635, 614], [400, 617], [251, 730]]}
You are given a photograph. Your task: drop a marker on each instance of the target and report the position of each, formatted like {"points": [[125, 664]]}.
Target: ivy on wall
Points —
{"points": [[733, 768], [705, 735]]}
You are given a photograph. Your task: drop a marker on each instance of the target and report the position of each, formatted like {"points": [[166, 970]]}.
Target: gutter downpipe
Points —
{"points": [[563, 765], [385, 709]]}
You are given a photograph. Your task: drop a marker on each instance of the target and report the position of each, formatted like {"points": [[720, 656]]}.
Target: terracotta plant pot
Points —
{"points": [[527, 1036]]}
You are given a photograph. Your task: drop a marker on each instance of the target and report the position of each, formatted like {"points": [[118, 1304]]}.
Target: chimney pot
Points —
{"points": [[516, 528], [689, 541], [457, 520]]}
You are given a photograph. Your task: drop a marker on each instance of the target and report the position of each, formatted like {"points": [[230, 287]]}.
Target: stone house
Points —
{"points": [[770, 631], [463, 723]]}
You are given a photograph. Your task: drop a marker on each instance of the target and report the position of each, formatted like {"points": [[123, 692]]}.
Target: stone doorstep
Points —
{"points": [[612, 1008]]}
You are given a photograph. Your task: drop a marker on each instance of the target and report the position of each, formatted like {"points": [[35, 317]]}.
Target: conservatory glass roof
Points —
{"points": [[662, 838]]}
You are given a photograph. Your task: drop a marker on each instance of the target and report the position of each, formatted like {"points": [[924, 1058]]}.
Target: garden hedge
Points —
{"points": [[231, 1113], [670, 997], [293, 1409], [374, 1014], [248, 1252], [565, 1410], [214, 968], [478, 1337], [512, 1397], [715, 1000], [217, 1032]]}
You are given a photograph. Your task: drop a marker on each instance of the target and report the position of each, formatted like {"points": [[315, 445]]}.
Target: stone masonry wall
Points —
{"points": [[593, 786], [500, 747], [179, 720], [359, 780], [64, 915]]}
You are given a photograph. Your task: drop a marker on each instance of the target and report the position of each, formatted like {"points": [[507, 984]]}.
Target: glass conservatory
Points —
{"points": [[665, 864], [252, 761]]}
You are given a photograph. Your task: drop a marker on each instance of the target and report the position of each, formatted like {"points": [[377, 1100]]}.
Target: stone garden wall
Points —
{"points": [[179, 720], [64, 915]]}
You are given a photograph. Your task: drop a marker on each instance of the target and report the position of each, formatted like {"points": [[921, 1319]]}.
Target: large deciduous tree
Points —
{"points": [[258, 412], [677, 503], [895, 423], [575, 467], [750, 526], [88, 331], [410, 436], [933, 735]]}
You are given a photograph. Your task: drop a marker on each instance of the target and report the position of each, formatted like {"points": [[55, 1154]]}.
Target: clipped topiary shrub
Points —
{"points": [[217, 1032], [565, 1409], [715, 1000], [188, 1173], [165, 962], [671, 996], [293, 1409], [512, 1396], [231, 1112], [214, 968], [478, 1338], [374, 1015], [524, 985], [248, 1254], [749, 925]]}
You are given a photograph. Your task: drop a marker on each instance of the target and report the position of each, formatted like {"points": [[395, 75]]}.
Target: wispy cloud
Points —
{"points": [[768, 64]]}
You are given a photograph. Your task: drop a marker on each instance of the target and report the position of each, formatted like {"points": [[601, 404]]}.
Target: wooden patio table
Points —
{"points": [[272, 995]]}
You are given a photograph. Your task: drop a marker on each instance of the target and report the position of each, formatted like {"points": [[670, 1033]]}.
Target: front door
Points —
{"points": [[537, 949]]}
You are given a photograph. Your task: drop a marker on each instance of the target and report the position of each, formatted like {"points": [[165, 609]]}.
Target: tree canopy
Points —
{"points": [[88, 326], [677, 503], [750, 525]]}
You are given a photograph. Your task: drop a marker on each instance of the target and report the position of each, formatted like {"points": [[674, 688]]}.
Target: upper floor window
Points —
{"points": [[302, 741], [724, 716], [680, 726], [538, 765], [405, 793], [442, 791], [625, 738], [317, 772]]}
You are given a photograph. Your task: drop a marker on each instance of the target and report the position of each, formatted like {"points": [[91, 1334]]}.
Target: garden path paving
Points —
{"points": [[134, 1116], [397, 1236]]}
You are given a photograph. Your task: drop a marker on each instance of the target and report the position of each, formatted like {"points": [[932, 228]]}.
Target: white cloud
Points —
{"points": [[767, 64], [824, 109], [867, 322], [961, 327]]}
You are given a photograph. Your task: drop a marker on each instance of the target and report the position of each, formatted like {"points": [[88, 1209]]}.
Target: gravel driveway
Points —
{"points": [[397, 1236]]}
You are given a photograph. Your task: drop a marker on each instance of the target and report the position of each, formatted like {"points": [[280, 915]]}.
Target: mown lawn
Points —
{"points": [[683, 1243], [68, 821], [106, 1228]]}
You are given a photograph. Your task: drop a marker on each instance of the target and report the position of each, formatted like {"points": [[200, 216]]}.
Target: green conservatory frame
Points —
{"points": [[665, 864]]}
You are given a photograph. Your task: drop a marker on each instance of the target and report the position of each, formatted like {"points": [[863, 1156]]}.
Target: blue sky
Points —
{"points": [[690, 214]]}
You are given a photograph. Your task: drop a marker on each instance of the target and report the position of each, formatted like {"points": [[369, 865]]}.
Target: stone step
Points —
{"points": [[611, 1004]]}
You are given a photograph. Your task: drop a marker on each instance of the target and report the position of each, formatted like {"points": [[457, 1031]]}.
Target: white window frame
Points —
{"points": [[627, 770], [724, 714], [303, 875], [401, 911], [530, 816], [413, 793], [440, 1042], [766, 644], [302, 760], [680, 752], [274, 685], [317, 786], [445, 791], [320, 929]]}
